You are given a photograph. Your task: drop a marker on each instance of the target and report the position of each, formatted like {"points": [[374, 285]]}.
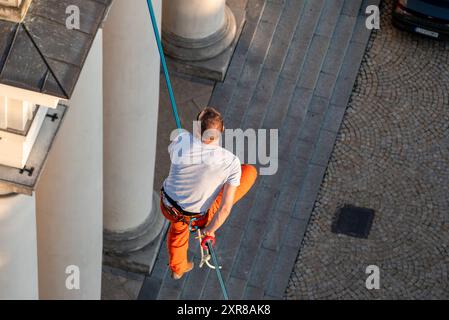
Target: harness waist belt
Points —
{"points": [[178, 207]]}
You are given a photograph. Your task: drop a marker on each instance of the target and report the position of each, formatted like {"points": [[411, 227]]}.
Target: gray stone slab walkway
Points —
{"points": [[293, 70]]}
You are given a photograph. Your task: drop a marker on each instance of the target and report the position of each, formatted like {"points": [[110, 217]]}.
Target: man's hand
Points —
{"points": [[208, 232]]}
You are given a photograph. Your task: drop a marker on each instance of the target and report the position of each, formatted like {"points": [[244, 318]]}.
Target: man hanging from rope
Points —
{"points": [[205, 181]]}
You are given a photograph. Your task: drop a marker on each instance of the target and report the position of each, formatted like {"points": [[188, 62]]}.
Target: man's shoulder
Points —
{"points": [[179, 134], [230, 157]]}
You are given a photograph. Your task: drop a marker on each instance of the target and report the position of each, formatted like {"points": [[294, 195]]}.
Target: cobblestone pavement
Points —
{"points": [[391, 155]]}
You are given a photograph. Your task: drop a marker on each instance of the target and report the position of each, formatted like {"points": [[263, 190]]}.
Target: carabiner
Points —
{"points": [[193, 228]]}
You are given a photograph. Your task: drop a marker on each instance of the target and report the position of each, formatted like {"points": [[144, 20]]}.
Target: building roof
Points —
{"points": [[41, 54]]}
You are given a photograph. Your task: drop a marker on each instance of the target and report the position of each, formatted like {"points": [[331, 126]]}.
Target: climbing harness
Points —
{"points": [[193, 228], [206, 242]]}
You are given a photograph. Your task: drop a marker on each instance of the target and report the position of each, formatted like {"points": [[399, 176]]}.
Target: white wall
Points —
{"points": [[69, 194], [18, 251]]}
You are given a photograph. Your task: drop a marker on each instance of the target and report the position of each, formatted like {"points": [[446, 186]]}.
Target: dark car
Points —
{"points": [[426, 17]]}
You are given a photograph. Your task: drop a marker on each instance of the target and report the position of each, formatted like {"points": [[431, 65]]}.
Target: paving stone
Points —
{"points": [[265, 31], [242, 97], [237, 4], [324, 147], [276, 180], [222, 96], [278, 282], [329, 17], [288, 197], [294, 182], [254, 9], [229, 245], [347, 77], [212, 289], [119, 287], [253, 15], [351, 8], [260, 100], [339, 43], [249, 78], [263, 267], [252, 239], [241, 211], [236, 288], [314, 61], [150, 288], [284, 33], [361, 32], [334, 118], [272, 240], [161, 265], [194, 284], [265, 201], [302, 39], [253, 293], [279, 104], [300, 103], [296, 229], [311, 128], [227, 253], [244, 263], [268, 297], [309, 192], [318, 104], [171, 289], [325, 85], [255, 232]]}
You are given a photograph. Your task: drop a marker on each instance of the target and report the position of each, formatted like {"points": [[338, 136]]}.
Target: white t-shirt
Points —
{"points": [[198, 172]]}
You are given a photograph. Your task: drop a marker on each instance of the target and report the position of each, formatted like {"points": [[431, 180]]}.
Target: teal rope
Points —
{"points": [[217, 269], [164, 64]]}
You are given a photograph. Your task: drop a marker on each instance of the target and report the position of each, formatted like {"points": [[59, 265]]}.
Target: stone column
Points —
{"points": [[197, 30], [18, 249], [70, 193], [131, 99]]}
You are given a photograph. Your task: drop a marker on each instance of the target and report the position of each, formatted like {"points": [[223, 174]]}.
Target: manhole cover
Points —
{"points": [[353, 221]]}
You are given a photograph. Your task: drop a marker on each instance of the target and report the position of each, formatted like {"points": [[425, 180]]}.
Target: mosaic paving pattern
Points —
{"points": [[392, 155]]}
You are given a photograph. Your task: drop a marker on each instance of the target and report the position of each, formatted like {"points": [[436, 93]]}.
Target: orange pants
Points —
{"points": [[178, 234]]}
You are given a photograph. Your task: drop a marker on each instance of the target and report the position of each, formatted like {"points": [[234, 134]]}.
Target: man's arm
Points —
{"points": [[223, 212]]}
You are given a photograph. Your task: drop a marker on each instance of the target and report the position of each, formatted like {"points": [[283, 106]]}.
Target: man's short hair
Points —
{"points": [[210, 118]]}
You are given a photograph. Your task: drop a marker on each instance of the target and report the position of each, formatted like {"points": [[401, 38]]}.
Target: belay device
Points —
{"points": [[206, 242]]}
